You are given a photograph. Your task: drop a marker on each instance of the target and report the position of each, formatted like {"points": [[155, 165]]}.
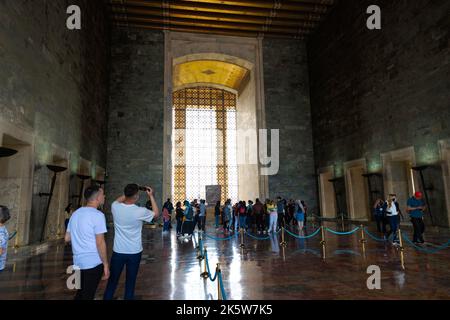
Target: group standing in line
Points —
{"points": [[261, 218]]}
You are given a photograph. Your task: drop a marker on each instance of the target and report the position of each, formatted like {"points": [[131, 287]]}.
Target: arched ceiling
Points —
{"points": [[209, 71]]}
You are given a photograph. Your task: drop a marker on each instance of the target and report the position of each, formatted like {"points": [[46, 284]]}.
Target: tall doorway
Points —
{"points": [[327, 194], [204, 143]]}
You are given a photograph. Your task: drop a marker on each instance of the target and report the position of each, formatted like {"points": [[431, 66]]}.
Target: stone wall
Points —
{"points": [[54, 87], [54, 81], [135, 137], [287, 106], [377, 91]]}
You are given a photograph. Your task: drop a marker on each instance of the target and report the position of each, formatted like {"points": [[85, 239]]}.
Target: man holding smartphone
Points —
{"points": [[416, 208], [128, 221]]}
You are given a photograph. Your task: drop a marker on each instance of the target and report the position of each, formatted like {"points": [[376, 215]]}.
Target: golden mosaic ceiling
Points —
{"points": [[211, 72], [252, 18]]}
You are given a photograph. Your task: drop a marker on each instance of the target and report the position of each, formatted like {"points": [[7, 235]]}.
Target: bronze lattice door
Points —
{"points": [[204, 143]]}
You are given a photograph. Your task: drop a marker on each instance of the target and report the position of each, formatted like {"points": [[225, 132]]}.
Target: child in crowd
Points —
{"points": [[4, 236], [227, 213], [300, 215], [166, 220], [179, 215]]}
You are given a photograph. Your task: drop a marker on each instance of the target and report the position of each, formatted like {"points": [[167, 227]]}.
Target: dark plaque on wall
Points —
{"points": [[213, 194]]}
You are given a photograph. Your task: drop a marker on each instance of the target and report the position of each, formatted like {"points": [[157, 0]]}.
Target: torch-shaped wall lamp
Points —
{"points": [[373, 193], [80, 195], [55, 170], [7, 152]]}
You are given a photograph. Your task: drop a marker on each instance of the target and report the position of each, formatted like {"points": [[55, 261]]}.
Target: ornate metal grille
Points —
{"points": [[204, 143]]}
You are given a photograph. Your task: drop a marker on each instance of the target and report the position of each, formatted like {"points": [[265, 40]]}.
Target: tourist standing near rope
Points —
{"points": [[168, 204], [272, 210], [290, 212], [392, 213], [416, 208], [250, 222], [217, 214], [166, 220], [266, 216], [280, 212], [195, 208], [242, 212], [127, 251], [236, 216], [379, 213], [179, 213], [299, 215], [227, 213], [202, 215], [305, 211], [258, 211]]}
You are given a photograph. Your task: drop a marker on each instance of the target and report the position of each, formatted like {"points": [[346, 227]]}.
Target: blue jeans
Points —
{"points": [[201, 223], [118, 262], [166, 225], [273, 222], [179, 224], [242, 221], [393, 223], [217, 221]]}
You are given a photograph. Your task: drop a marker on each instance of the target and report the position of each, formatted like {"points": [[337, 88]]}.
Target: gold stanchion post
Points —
{"points": [[323, 242], [205, 273], [283, 242], [242, 238], [363, 241], [199, 252], [402, 249], [219, 293]]}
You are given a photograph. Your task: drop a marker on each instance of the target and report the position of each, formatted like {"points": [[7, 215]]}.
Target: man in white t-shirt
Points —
{"points": [[85, 231], [128, 222]]}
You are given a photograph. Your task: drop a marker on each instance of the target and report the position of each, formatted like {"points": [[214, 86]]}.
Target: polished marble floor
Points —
{"points": [[262, 270]]}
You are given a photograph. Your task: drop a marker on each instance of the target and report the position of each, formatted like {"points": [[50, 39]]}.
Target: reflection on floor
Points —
{"points": [[262, 270]]}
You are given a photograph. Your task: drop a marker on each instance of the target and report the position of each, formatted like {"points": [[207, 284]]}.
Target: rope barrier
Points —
{"points": [[315, 233], [209, 270], [439, 248], [207, 274], [217, 276], [12, 236], [222, 289], [343, 233], [373, 236]]}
